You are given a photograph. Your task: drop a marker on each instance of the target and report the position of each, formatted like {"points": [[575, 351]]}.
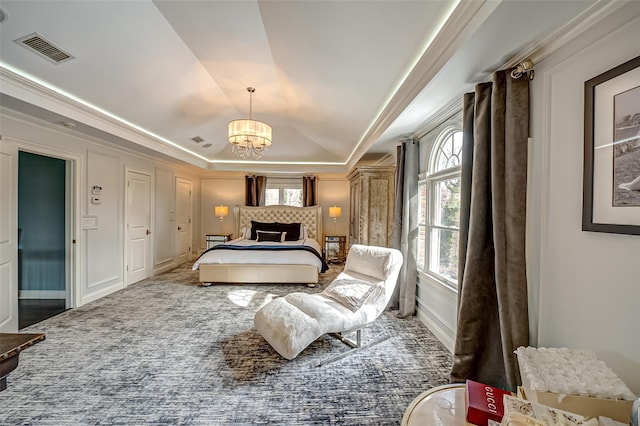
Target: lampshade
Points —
{"points": [[248, 136], [335, 211], [221, 211]]}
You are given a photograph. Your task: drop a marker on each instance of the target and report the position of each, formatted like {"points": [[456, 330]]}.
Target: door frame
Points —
{"points": [[176, 236], [151, 174], [73, 202]]}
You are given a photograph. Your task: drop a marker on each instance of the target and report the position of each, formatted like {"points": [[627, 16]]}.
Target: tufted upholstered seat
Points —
{"points": [[292, 322]]}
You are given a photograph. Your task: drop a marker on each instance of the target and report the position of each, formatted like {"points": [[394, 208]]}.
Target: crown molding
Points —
{"points": [[461, 23], [551, 42], [32, 92], [447, 112]]}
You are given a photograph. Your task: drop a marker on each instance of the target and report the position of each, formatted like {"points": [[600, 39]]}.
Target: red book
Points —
{"points": [[484, 403]]}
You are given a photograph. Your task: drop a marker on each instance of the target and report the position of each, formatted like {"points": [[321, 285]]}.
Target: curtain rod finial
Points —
{"points": [[525, 67]]}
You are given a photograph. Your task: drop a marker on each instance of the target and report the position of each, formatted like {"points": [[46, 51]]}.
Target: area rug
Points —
{"points": [[168, 351]]}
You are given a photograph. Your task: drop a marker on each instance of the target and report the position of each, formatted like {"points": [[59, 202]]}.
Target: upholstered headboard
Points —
{"points": [[308, 216]]}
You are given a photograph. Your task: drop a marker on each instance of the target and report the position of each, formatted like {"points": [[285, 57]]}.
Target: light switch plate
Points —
{"points": [[89, 222]]}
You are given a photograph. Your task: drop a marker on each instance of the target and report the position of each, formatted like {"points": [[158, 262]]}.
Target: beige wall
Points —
{"points": [[228, 189]]}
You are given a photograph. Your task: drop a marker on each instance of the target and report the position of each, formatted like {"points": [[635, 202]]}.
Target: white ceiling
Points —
{"points": [[334, 79]]}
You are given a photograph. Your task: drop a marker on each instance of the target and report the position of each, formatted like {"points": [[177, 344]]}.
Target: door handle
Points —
{"points": [[179, 228], [148, 232]]}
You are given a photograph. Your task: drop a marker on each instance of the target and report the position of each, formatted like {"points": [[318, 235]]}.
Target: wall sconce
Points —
{"points": [[221, 211], [335, 212]]}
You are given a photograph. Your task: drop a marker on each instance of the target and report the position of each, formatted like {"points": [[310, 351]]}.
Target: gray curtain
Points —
{"points": [[255, 190], [492, 285], [309, 185], [404, 233]]}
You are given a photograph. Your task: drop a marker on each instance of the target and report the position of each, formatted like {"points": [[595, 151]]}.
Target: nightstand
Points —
{"points": [[335, 248], [215, 239]]}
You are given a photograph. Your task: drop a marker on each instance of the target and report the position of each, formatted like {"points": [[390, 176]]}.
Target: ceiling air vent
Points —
{"points": [[44, 47]]}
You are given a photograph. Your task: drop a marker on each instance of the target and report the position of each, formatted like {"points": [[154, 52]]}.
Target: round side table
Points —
{"points": [[441, 406]]}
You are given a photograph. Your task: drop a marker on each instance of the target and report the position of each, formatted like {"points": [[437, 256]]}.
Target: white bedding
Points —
{"points": [[277, 257]]}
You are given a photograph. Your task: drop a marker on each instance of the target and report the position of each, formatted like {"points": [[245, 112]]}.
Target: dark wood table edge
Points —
{"points": [[10, 355]]}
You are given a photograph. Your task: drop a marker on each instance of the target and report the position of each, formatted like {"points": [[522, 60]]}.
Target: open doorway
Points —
{"points": [[42, 238]]}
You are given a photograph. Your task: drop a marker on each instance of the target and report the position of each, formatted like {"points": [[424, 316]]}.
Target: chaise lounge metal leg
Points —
{"points": [[354, 345]]}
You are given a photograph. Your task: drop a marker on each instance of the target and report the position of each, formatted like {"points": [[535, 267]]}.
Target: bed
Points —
{"points": [[245, 265]]}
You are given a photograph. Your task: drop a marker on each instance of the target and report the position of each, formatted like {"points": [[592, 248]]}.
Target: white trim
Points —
{"points": [[461, 23], [151, 207], [446, 338], [101, 293], [430, 181], [159, 270], [29, 89], [546, 145], [444, 114], [74, 199], [551, 42], [42, 294], [438, 279], [444, 134]]}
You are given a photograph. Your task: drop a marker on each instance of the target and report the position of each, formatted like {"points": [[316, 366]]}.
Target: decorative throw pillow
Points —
{"points": [[260, 226], [292, 230], [351, 293], [277, 237], [304, 232]]}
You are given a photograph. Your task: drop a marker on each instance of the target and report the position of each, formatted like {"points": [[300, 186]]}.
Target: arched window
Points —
{"points": [[439, 208]]}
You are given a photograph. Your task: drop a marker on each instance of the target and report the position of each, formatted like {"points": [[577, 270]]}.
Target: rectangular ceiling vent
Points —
{"points": [[44, 47]]}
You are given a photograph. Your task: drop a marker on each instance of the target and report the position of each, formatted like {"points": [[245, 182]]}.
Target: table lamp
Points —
{"points": [[221, 211], [335, 212]]}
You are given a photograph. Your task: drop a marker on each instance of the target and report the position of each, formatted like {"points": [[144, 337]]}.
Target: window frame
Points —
{"points": [[281, 185], [427, 213]]}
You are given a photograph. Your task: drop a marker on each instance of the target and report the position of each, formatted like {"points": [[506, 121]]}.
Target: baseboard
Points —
{"points": [[164, 268], [42, 294], [446, 338], [101, 293]]}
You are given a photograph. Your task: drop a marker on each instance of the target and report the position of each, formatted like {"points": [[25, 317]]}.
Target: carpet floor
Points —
{"points": [[167, 351]]}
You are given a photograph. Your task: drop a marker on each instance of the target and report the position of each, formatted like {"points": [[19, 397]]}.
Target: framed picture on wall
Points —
{"points": [[611, 184]]}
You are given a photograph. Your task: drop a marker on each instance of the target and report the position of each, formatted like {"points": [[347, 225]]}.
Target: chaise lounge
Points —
{"points": [[353, 300]]}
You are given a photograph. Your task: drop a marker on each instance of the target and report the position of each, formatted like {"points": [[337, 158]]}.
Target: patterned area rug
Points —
{"points": [[167, 351]]}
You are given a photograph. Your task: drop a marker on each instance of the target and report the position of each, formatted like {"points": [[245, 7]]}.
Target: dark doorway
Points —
{"points": [[42, 265]]}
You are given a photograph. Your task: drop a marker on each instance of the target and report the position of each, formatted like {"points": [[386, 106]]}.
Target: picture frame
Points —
{"points": [[611, 179]]}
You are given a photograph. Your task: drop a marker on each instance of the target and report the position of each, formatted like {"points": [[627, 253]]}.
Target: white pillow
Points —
{"points": [[245, 233], [304, 232], [351, 293], [369, 260]]}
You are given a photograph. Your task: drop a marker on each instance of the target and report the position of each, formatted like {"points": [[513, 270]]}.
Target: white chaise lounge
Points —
{"points": [[354, 299]]}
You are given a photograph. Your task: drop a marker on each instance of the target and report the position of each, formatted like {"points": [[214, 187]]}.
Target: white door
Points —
{"points": [[138, 219], [8, 237], [183, 219]]}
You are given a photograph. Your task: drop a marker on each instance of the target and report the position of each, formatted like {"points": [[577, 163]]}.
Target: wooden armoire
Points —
{"points": [[371, 205]]}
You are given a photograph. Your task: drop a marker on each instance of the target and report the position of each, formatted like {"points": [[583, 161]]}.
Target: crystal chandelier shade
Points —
{"points": [[248, 136]]}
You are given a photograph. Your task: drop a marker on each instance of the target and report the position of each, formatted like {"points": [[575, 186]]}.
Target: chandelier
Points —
{"points": [[248, 136]]}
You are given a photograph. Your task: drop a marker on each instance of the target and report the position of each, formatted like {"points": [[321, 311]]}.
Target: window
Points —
{"points": [[284, 192], [439, 209]]}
